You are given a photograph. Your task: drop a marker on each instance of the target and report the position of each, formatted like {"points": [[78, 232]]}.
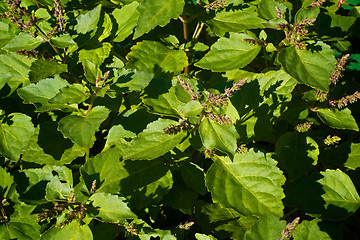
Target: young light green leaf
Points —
{"points": [[251, 184], [296, 153], [312, 66], [157, 13], [126, 19], [81, 129], [74, 93], [153, 142], [111, 208], [75, 230], [96, 55], [220, 136], [267, 227], [16, 130], [146, 55], [335, 118], [229, 53], [330, 194], [41, 69], [235, 21]]}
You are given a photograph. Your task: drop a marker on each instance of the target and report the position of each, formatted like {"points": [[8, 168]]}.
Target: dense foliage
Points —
{"points": [[179, 119]]}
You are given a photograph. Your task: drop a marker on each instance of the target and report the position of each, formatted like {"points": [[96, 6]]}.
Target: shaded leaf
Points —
{"points": [[41, 69], [267, 227], [193, 177]]}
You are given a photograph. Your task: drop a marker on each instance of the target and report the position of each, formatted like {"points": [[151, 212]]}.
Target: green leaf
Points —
{"points": [[312, 66], [17, 229], [111, 208], [267, 227], [62, 41], [296, 153], [23, 41], [81, 129], [105, 169], [315, 230], [330, 194], [4, 78], [192, 109], [7, 33], [229, 53], [88, 22], [157, 13], [193, 177], [91, 71], [5, 182], [146, 232], [267, 9], [74, 93], [335, 118], [353, 161], [251, 184], [126, 19], [235, 21], [48, 146], [16, 130], [41, 69], [133, 80], [40, 93], [153, 142], [75, 230], [18, 67], [146, 55], [56, 189], [144, 181], [219, 136], [96, 55], [224, 222]]}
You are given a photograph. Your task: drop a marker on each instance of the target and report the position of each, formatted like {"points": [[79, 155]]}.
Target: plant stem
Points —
{"points": [[198, 30], [87, 153]]}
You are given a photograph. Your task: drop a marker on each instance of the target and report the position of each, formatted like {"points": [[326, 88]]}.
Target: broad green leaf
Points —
{"points": [[105, 169], [144, 181], [146, 232], [340, 119], [193, 177], [111, 208], [96, 55], [81, 129], [250, 183], [116, 136], [48, 146], [229, 53], [315, 230], [267, 227], [220, 136], [157, 13], [56, 189], [106, 27], [133, 80], [74, 93], [62, 41], [7, 33], [192, 109], [41, 69], [296, 153], [166, 104], [312, 66], [267, 9], [307, 13], [75, 230], [88, 22], [200, 236], [224, 222], [153, 142], [330, 194], [146, 55], [91, 71], [16, 130], [353, 161], [235, 21], [40, 93], [332, 25], [4, 78], [126, 19], [23, 41], [18, 67], [17, 229], [5, 182]]}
